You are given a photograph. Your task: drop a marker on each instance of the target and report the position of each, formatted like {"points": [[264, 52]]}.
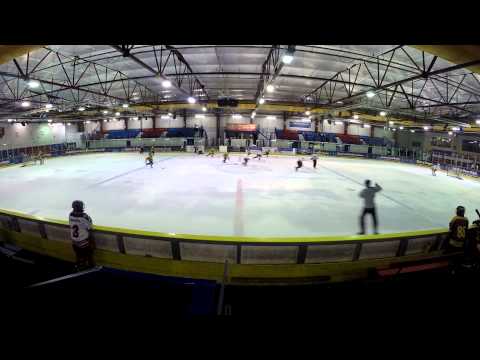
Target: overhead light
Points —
{"points": [[69, 124], [394, 129], [117, 114], [137, 98], [270, 117], [105, 111], [88, 121], [337, 122], [307, 112], [191, 100], [270, 88], [204, 108], [477, 121], [450, 133], [412, 131], [170, 114], [81, 108], [370, 94], [105, 120], [9, 120], [455, 128], [287, 58], [32, 84], [49, 120], [401, 127], [426, 128], [261, 101], [366, 126], [253, 114], [134, 118], [391, 122], [25, 103], [339, 102], [166, 83], [125, 105], [48, 106], [355, 117], [236, 116], [165, 117], [199, 116], [383, 113]]}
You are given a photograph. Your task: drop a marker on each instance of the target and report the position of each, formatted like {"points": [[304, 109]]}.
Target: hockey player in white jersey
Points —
{"points": [[82, 241]]}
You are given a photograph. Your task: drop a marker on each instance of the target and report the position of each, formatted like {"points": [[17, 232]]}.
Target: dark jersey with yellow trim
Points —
{"points": [[458, 231]]}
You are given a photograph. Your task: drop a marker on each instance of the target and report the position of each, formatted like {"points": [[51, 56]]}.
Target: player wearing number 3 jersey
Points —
{"points": [[82, 242]]}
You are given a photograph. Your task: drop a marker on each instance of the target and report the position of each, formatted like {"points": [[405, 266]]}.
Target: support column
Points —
{"points": [[154, 122], [101, 126], [125, 120], [371, 130], [217, 116], [316, 125], [284, 120], [185, 118], [345, 127]]}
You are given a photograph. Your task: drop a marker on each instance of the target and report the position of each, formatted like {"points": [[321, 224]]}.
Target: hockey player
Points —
{"points": [[258, 156], [299, 164], [226, 157], [142, 149], [82, 241], [245, 160], [458, 231], [434, 169], [314, 158], [149, 160], [267, 152], [211, 152], [152, 151]]}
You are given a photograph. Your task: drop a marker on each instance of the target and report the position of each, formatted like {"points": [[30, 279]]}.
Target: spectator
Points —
{"points": [[80, 233], [368, 194]]}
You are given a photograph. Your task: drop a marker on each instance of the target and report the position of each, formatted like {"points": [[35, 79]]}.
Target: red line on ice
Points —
{"points": [[239, 225]]}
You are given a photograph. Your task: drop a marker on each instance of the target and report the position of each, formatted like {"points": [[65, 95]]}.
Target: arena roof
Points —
{"points": [[413, 82]]}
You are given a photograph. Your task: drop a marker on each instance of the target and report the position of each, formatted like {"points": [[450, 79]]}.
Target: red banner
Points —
{"points": [[241, 127]]}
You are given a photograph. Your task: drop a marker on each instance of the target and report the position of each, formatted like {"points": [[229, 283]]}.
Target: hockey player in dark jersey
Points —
{"points": [[245, 160], [82, 241], [149, 160], [267, 152], [458, 231], [299, 164], [258, 156], [314, 158], [225, 157]]}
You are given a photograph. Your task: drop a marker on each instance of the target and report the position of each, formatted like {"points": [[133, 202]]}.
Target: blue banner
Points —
{"points": [[300, 124]]}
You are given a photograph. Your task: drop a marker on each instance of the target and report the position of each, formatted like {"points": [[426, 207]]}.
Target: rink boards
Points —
{"points": [[229, 259]]}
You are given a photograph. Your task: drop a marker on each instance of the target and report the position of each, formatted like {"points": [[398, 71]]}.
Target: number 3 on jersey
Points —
{"points": [[75, 231]]}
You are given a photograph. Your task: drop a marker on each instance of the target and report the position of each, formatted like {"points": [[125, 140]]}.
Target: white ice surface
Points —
{"points": [[198, 195]]}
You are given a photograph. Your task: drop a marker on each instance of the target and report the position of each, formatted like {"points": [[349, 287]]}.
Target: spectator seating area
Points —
{"points": [[153, 133], [122, 134], [15, 156], [349, 139]]}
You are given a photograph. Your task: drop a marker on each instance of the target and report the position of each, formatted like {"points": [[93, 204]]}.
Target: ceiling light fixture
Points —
{"points": [[204, 108], [105, 112], [412, 131], [383, 113], [166, 83], [125, 106], [366, 126], [355, 117], [117, 114], [199, 116], [307, 112], [401, 127], [236, 116], [426, 128], [81, 108], [32, 84], [450, 133], [261, 101], [270, 88], [271, 117], [25, 103], [191, 100], [370, 94], [48, 106]]}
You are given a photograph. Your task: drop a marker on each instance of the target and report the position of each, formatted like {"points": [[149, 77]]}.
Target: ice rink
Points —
{"points": [[195, 194]]}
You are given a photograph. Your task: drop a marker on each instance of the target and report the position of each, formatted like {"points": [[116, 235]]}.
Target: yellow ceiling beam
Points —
{"points": [[10, 52], [457, 54]]}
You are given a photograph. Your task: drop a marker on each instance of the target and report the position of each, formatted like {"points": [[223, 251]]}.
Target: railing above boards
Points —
{"points": [[236, 250]]}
